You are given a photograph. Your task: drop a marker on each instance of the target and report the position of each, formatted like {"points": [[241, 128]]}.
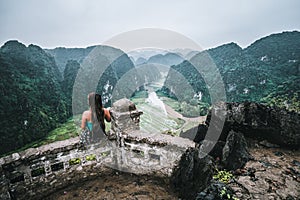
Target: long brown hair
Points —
{"points": [[95, 102]]}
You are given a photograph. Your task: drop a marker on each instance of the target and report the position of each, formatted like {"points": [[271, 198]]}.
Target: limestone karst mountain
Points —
{"points": [[268, 71]]}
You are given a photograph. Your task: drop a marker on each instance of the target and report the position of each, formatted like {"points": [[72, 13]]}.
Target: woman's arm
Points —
{"points": [[107, 115], [83, 120]]}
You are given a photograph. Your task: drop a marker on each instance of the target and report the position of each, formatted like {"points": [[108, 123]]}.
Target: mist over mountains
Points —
{"points": [[36, 84]]}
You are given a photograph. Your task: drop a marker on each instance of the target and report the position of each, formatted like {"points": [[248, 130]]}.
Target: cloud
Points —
{"points": [[81, 23]]}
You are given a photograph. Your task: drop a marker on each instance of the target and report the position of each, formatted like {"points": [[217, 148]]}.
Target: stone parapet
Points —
{"points": [[37, 172]]}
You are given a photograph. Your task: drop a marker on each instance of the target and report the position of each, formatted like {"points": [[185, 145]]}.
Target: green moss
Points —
{"points": [[104, 154], [90, 157], [223, 176], [74, 161], [169, 132], [225, 195]]}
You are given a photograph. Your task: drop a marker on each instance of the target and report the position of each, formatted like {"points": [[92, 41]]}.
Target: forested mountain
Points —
{"points": [[70, 59], [36, 98], [62, 55], [280, 53], [118, 64], [267, 71], [37, 95], [70, 73], [166, 59], [32, 102]]}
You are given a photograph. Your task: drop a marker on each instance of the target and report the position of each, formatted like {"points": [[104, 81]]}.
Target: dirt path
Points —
{"points": [[117, 186]]}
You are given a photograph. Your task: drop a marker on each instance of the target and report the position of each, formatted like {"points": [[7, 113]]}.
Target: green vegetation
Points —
{"points": [[70, 73], [223, 176], [288, 102], [138, 153], [74, 161], [139, 97], [142, 153], [265, 72], [63, 55], [225, 195], [90, 157], [62, 132], [192, 108], [179, 122], [189, 110], [36, 95], [154, 120], [169, 132], [286, 96], [32, 103], [104, 154], [36, 88], [173, 103]]}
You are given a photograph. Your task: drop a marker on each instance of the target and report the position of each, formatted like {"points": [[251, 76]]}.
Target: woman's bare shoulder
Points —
{"points": [[87, 112]]}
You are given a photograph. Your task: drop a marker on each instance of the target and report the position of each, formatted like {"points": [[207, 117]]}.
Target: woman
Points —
{"points": [[93, 119]]}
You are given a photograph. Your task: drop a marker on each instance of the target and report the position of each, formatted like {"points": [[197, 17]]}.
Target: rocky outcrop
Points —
{"points": [[273, 173], [193, 174], [254, 120], [235, 152], [223, 134]]}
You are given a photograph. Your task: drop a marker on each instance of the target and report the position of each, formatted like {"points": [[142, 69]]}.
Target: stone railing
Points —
{"points": [[37, 172]]}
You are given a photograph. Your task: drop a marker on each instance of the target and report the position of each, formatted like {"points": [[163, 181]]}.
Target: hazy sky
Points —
{"points": [[80, 23]]}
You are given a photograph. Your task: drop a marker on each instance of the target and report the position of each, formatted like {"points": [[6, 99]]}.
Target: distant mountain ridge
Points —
{"points": [[166, 59], [62, 55], [36, 85], [267, 71]]}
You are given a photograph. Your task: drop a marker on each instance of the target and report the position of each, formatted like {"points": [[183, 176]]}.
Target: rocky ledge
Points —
{"points": [[256, 155], [254, 120]]}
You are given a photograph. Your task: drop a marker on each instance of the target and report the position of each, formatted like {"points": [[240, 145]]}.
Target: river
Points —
{"points": [[155, 101]]}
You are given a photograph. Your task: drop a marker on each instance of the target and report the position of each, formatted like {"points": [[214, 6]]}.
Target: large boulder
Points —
{"points": [[235, 152], [193, 174]]}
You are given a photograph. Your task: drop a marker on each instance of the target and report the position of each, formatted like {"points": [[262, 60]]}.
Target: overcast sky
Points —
{"points": [[81, 23]]}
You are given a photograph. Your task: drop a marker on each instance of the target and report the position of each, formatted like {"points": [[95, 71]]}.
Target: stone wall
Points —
{"points": [[37, 172]]}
